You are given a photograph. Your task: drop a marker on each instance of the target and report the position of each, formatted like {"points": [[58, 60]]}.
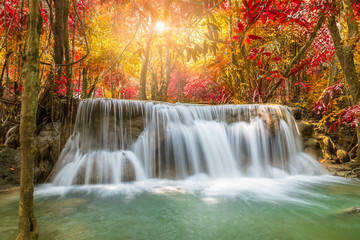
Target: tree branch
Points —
{"points": [[298, 56], [207, 11], [86, 42], [112, 65], [306, 47]]}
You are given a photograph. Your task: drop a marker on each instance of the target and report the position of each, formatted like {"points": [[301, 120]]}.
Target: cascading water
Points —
{"points": [[120, 140]]}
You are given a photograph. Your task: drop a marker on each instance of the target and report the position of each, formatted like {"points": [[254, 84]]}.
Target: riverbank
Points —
{"points": [[347, 170]]}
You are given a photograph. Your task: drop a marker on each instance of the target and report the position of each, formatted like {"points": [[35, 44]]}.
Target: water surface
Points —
{"points": [[292, 208]]}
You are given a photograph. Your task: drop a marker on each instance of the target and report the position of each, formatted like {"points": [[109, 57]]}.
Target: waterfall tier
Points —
{"points": [[121, 140]]}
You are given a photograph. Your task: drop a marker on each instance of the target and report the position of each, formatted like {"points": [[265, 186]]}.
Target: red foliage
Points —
{"points": [[13, 14], [196, 87], [81, 9], [225, 5], [130, 92], [120, 84], [99, 93], [348, 116], [202, 88], [326, 99], [61, 85], [277, 59], [254, 37], [304, 85], [240, 28]]}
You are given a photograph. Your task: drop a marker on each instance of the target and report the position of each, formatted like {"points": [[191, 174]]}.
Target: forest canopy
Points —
{"points": [[302, 53]]}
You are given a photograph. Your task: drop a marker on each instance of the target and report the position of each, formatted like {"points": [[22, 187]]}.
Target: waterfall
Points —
{"points": [[121, 140]]}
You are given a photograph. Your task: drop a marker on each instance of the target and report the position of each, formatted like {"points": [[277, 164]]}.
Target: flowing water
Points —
{"points": [[292, 208], [117, 140], [142, 170]]}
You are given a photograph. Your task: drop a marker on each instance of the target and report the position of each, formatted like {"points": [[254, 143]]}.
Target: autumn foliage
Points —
{"points": [[215, 51]]}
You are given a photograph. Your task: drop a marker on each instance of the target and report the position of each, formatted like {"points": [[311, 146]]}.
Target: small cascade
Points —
{"points": [[121, 140]]}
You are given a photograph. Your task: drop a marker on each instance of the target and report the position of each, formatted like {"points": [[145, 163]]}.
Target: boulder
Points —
{"points": [[9, 167], [321, 129], [327, 146], [128, 172], [306, 129], [352, 211], [343, 156], [47, 145], [13, 137], [311, 142], [297, 112], [312, 152]]}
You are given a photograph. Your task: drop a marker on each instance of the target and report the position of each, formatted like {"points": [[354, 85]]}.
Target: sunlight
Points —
{"points": [[160, 26]]}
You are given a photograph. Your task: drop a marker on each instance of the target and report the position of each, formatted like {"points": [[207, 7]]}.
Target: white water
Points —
{"points": [[120, 140]]}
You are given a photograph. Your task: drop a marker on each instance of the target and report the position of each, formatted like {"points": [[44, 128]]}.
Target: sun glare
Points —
{"points": [[160, 26]]}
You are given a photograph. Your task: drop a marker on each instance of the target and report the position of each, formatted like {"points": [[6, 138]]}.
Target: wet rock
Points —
{"points": [[352, 211], [321, 129], [13, 137], [312, 152], [327, 147], [297, 112], [340, 173], [342, 156], [128, 172], [47, 145], [311, 142], [9, 167], [306, 129]]}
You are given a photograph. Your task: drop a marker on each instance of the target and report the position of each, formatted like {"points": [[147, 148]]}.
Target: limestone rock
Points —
{"points": [[9, 167], [311, 142], [13, 137], [312, 152], [297, 111], [305, 128], [343, 156], [353, 211], [328, 147], [47, 150], [128, 172], [321, 129]]}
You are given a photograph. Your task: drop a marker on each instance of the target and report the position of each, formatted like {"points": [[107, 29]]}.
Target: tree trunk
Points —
{"points": [[67, 51], [59, 37], [303, 50], [28, 228], [333, 71], [84, 84], [345, 54], [180, 87], [144, 67], [164, 84], [154, 86], [7, 56]]}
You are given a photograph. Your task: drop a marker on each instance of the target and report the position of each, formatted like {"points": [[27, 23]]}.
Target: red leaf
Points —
{"points": [[240, 28], [254, 37], [267, 54], [277, 59], [304, 85], [252, 56], [259, 63], [225, 5], [248, 40]]}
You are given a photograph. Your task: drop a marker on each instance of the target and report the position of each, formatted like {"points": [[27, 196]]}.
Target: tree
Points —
{"points": [[144, 66], [28, 227], [345, 49]]}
